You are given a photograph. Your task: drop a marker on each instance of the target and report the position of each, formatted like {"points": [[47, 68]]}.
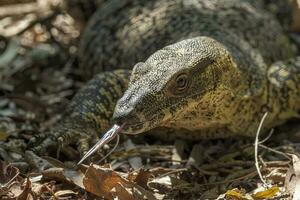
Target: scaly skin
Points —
{"points": [[87, 114], [212, 77], [219, 98], [123, 33]]}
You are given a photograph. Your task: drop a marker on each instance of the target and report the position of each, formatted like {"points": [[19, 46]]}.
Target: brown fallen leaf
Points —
{"points": [[64, 193], [162, 184], [101, 181], [65, 175], [107, 183], [276, 174], [142, 178], [41, 189], [122, 193], [8, 175], [26, 193], [292, 180], [14, 191], [22, 191]]}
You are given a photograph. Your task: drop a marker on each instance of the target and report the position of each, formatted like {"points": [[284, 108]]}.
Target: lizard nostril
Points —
{"points": [[124, 115], [118, 118], [121, 115]]}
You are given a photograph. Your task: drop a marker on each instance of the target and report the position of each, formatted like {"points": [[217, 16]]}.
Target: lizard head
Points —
{"points": [[163, 89]]}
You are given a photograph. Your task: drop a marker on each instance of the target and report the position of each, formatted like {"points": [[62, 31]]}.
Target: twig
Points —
{"points": [[256, 148], [277, 163], [172, 172], [268, 137], [262, 161], [154, 158], [251, 174], [275, 151]]}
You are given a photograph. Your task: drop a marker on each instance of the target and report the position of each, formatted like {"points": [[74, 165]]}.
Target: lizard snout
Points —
{"points": [[127, 114], [124, 114], [120, 117]]}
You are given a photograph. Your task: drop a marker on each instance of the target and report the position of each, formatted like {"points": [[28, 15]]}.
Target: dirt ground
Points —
{"points": [[39, 75]]}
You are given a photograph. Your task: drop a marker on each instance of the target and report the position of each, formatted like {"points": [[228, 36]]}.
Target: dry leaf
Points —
{"points": [[162, 184], [65, 193], [19, 192], [7, 174], [122, 193], [143, 177], [104, 182], [292, 180], [266, 194], [15, 190], [101, 181], [65, 175], [236, 194], [276, 174], [26, 193], [40, 189]]}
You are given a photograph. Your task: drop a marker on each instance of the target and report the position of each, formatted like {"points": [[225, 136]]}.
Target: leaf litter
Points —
{"points": [[40, 49]]}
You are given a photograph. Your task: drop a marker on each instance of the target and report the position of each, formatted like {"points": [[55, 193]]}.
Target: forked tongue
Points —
{"points": [[107, 137]]}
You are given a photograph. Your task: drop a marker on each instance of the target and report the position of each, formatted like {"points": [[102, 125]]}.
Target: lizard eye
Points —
{"points": [[181, 82], [178, 85]]}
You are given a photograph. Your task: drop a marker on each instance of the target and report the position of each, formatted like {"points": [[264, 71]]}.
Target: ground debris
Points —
{"points": [[292, 180], [38, 77]]}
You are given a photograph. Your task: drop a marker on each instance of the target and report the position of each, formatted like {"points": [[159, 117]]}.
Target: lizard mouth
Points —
{"points": [[143, 126], [137, 128], [158, 118]]}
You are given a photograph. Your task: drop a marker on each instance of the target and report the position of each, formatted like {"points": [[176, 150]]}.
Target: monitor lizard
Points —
{"points": [[184, 68]]}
